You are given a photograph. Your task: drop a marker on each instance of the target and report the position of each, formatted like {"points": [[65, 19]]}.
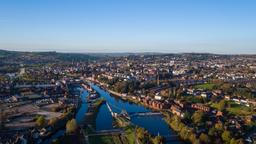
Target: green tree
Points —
{"points": [[226, 136], [158, 140], [219, 126], [212, 131], [53, 121], [197, 117], [233, 141], [142, 135], [222, 105], [187, 116], [204, 138], [192, 138], [71, 126], [40, 121], [240, 141], [184, 133]]}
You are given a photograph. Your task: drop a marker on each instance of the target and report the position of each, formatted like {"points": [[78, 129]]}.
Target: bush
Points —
{"points": [[204, 138], [198, 117], [71, 126], [226, 136], [53, 121], [40, 121]]}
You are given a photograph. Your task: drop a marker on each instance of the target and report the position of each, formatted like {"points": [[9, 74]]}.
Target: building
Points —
{"points": [[200, 107], [177, 111]]}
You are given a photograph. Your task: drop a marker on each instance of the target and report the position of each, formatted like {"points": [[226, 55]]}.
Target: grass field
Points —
{"points": [[207, 86], [235, 109]]}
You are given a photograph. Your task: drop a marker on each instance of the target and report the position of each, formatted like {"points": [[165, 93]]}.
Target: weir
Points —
{"points": [[111, 111]]}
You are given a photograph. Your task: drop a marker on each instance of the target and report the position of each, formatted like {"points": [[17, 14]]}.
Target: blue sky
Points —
{"points": [[173, 26]]}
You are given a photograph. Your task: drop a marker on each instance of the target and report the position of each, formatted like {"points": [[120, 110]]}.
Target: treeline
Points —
{"points": [[144, 137], [43, 57], [216, 134]]}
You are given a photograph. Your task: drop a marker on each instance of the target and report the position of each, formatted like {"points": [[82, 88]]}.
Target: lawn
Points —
{"points": [[237, 109], [207, 86], [215, 105]]}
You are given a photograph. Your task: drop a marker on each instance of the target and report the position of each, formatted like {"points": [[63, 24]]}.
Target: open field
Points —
{"points": [[235, 109], [23, 116], [207, 86]]}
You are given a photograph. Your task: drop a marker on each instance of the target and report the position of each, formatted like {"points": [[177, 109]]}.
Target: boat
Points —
{"points": [[93, 96]]}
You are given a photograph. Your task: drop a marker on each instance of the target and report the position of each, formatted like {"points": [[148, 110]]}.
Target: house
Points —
{"points": [[158, 97], [217, 92], [227, 97], [206, 94], [200, 107], [177, 111], [219, 114], [252, 102], [182, 104], [16, 98]]}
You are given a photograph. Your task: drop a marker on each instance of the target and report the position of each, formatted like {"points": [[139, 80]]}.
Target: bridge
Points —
{"points": [[131, 114], [107, 132], [145, 114], [111, 111]]}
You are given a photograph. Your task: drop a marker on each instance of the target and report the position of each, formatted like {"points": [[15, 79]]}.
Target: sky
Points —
{"points": [[168, 26]]}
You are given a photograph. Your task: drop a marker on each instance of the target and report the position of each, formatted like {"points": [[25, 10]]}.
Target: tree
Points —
{"points": [[233, 141], [222, 105], [204, 138], [187, 116], [40, 121], [226, 136], [219, 126], [143, 135], [212, 131], [184, 133], [158, 140], [53, 121], [192, 138], [71, 126], [198, 117], [240, 141]]}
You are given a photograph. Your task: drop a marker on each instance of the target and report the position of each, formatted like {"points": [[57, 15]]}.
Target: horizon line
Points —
{"points": [[146, 52]]}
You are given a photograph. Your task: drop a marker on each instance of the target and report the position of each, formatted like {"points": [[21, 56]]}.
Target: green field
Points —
{"points": [[207, 86], [235, 109]]}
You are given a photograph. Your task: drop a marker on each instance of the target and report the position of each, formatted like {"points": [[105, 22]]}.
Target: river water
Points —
{"points": [[153, 124]]}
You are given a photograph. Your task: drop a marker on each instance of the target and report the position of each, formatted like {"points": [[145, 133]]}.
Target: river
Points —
{"points": [[153, 124]]}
